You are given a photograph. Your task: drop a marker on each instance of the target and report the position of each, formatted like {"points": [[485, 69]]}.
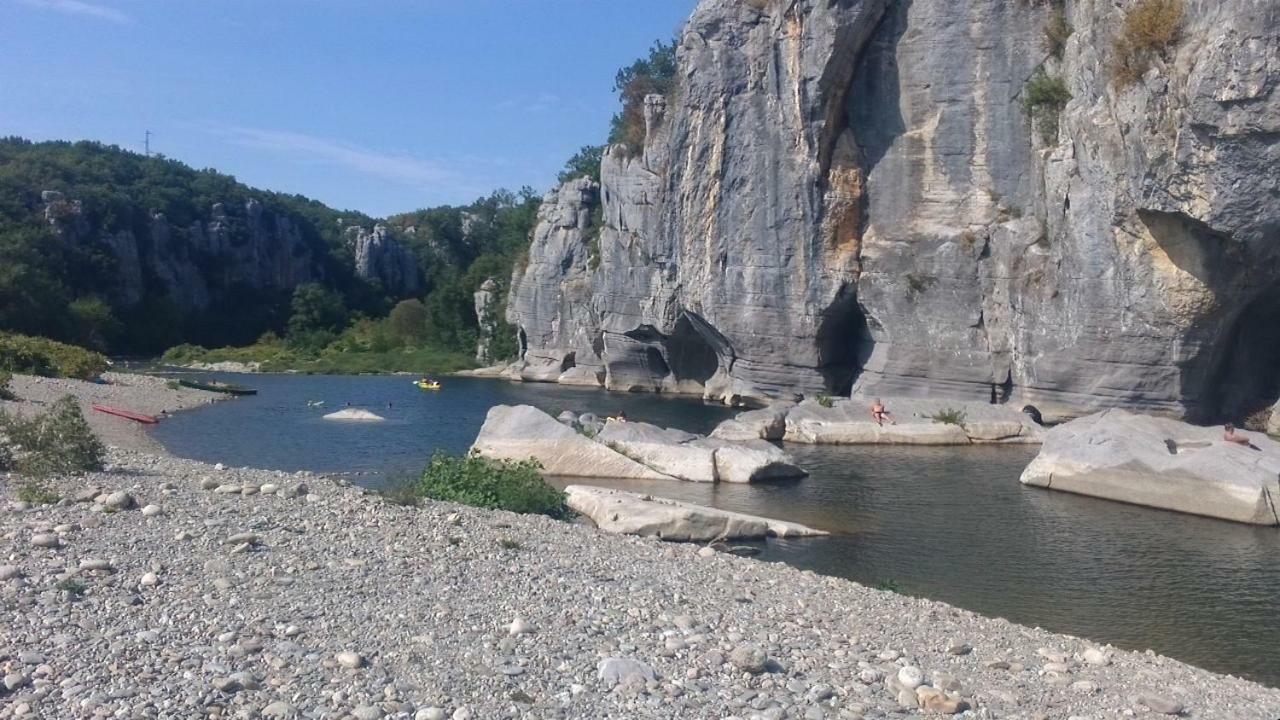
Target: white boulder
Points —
{"points": [[768, 423], [354, 415], [628, 450], [522, 432], [629, 513], [1164, 464]]}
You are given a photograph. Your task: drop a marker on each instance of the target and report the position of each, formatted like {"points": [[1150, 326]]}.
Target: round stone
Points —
{"points": [[911, 677], [349, 659], [151, 510]]}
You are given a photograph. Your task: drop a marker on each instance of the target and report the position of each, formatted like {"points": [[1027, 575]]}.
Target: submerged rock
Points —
{"points": [[628, 513], [354, 415], [1164, 464]]}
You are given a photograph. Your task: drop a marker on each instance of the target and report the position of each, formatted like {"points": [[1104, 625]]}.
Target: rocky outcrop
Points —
{"points": [[627, 513], [485, 298], [586, 447], [1164, 464], [522, 433], [910, 422], [354, 415], [380, 258], [197, 265], [851, 196]]}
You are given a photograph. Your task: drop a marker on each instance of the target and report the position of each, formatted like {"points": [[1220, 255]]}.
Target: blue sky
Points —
{"points": [[382, 106]]}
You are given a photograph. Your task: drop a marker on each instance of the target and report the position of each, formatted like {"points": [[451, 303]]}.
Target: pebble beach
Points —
{"points": [[164, 587]]}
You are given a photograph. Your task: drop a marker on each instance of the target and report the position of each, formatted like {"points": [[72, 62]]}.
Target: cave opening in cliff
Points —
{"points": [[689, 354], [1248, 372], [844, 343]]}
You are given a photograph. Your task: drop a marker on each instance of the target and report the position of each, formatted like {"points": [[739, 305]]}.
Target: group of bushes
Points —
{"points": [[38, 356], [54, 442], [483, 483]]}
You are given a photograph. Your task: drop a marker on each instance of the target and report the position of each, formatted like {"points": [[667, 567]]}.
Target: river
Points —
{"points": [[950, 524]]}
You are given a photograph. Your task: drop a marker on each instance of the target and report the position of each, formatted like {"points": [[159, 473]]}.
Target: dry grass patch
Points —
{"points": [[1151, 28]]}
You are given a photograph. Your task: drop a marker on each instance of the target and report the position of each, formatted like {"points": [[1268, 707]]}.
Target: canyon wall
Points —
{"points": [[847, 195]]}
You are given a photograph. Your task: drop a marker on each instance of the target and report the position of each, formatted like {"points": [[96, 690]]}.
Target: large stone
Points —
{"points": [[750, 461], [769, 423], [1161, 463], [523, 432], [849, 422], [670, 452], [629, 513]]}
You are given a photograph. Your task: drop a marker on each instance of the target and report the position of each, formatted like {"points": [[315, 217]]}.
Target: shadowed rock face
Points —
{"points": [[231, 250], [850, 195]]}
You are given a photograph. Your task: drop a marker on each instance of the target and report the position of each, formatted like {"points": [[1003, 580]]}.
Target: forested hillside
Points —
{"points": [[132, 254]]}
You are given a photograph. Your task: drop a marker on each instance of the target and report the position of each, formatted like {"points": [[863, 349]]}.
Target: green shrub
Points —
{"points": [[825, 401], [494, 484], [949, 416], [58, 441], [509, 544], [72, 585], [37, 494], [1044, 97], [38, 356], [5, 392], [1150, 28]]}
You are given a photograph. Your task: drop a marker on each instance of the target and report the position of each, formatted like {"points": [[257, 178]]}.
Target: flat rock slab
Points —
{"points": [[523, 432], [628, 513], [1162, 463], [627, 450], [354, 416], [848, 422]]}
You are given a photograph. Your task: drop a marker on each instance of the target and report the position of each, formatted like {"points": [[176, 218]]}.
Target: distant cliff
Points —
{"points": [[988, 199], [161, 253]]}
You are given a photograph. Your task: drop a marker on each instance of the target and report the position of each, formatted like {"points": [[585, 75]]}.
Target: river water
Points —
{"points": [[950, 524]]}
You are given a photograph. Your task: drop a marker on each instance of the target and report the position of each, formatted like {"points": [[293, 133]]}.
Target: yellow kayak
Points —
{"points": [[427, 385]]}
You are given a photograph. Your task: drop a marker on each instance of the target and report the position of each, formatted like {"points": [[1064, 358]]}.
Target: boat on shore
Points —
{"points": [[217, 387], [126, 414]]}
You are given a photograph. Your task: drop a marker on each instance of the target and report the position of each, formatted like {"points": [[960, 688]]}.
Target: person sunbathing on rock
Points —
{"points": [[879, 413], [1230, 436]]}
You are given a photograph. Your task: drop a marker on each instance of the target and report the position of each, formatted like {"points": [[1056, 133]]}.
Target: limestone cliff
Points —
{"points": [[380, 258], [849, 194]]}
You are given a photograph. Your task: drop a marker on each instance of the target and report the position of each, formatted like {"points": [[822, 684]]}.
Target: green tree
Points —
{"points": [[652, 75], [95, 323], [584, 163], [316, 308], [408, 320]]}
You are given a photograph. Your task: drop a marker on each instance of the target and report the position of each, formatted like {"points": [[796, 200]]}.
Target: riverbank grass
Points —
{"points": [[277, 356]]}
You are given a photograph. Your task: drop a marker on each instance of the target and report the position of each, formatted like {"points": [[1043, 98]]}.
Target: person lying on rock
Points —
{"points": [[1230, 436], [879, 413]]}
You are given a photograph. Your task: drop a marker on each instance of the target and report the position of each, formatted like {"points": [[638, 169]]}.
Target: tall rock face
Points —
{"points": [[197, 265], [849, 195], [381, 259]]}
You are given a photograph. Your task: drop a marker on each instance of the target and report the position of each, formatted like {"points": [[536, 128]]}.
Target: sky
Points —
{"points": [[381, 106]]}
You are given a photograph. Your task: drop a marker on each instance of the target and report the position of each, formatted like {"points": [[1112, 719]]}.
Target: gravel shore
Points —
{"points": [[139, 393], [170, 588]]}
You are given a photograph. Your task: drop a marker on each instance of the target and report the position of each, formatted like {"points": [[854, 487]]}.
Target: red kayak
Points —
{"points": [[136, 417]]}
